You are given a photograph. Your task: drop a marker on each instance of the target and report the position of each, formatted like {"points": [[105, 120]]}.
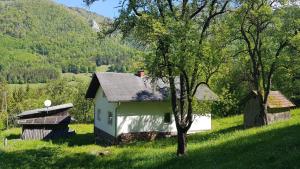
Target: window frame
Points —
{"points": [[99, 114], [110, 118]]}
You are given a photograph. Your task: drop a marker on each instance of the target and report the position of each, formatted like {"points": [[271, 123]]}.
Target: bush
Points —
{"points": [[227, 105], [3, 117]]}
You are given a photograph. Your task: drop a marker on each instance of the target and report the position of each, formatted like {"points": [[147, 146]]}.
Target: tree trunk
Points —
{"points": [[262, 118], [181, 146], [263, 114]]}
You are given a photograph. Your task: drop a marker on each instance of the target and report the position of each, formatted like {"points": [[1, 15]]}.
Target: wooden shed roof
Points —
{"points": [[46, 120], [49, 110], [278, 100]]}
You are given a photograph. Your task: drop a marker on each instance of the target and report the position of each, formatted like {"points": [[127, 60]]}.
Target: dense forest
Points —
{"points": [[25, 97], [41, 40]]}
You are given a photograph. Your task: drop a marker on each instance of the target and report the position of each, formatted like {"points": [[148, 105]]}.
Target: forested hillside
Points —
{"points": [[41, 39]]}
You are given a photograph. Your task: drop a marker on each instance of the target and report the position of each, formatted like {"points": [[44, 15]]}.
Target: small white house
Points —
{"points": [[129, 106]]}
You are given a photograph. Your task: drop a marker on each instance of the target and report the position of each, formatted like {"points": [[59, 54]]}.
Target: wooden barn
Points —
{"points": [[278, 108], [46, 123]]}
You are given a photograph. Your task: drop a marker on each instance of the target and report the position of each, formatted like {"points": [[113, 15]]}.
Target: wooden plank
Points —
{"points": [[46, 120]]}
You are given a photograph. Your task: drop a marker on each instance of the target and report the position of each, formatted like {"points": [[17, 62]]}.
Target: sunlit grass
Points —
{"points": [[228, 145]]}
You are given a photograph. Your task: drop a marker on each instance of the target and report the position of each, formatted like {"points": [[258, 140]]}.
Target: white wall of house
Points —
{"points": [[102, 110], [200, 123], [149, 116], [146, 123], [143, 123], [140, 117]]}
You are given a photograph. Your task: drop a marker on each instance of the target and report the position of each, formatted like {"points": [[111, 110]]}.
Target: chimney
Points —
{"points": [[140, 73]]}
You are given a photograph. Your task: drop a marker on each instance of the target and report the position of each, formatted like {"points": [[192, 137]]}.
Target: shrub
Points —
{"points": [[227, 105], [3, 118]]}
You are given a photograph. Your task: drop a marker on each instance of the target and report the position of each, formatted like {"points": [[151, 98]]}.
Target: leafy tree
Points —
{"points": [[83, 107], [3, 103], [60, 91], [176, 34], [25, 97], [267, 33]]}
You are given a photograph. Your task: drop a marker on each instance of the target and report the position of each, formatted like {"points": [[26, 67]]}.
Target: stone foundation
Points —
{"points": [[105, 139], [273, 117], [142, 136], [251, 119]]}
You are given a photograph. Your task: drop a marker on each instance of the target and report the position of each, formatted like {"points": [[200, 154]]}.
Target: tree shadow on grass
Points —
{"points": [[13, 136], [192, 138], [76, 140], [52, 157], [43, 158], [277, 148], [199, 137]]}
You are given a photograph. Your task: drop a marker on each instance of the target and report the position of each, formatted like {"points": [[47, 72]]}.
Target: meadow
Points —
{"points": [[227, 145]]}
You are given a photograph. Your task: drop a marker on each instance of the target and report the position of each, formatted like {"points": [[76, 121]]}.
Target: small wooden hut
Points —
{"points": [[278, 108], [46, 123]]}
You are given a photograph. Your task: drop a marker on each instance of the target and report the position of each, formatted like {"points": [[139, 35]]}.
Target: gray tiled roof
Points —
{"points": [[43, 110], [125, 87]]}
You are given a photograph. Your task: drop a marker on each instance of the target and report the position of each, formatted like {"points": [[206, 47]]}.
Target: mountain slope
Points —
{"points": [[41, 39]]}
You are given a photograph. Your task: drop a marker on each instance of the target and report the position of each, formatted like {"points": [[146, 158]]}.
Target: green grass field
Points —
{"points": [[72, 77], [227, 146], [31, 85]]}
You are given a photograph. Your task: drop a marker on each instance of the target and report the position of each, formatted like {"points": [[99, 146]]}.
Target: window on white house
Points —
{"points": [[110, 118], [99, 115], [167, 118]]}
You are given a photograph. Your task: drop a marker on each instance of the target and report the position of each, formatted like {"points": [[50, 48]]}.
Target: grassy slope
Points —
{"points": [[228, 145]]}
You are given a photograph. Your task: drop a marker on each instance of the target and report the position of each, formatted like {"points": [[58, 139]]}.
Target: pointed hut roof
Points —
{"points": [[277, 100]]}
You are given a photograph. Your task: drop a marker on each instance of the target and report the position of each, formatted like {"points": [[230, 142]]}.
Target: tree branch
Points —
{"points": [[196, 87], [133, 5], [273, 67], [211, 15], [172, 9], [199, 9], [160, 9], [184, 3]]}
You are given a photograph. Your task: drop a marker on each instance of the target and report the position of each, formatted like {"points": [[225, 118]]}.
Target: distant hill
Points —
{"points": [[41, 39], [90, 15]]}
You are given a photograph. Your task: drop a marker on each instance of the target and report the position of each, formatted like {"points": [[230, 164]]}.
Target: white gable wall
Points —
{"points": [[102, 104]]}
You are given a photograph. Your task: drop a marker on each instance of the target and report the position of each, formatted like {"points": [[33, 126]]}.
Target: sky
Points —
{"points": [[106, 8]]}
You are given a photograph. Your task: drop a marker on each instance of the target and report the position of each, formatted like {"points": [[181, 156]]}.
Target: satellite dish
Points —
{"points": [[47, 103]]}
